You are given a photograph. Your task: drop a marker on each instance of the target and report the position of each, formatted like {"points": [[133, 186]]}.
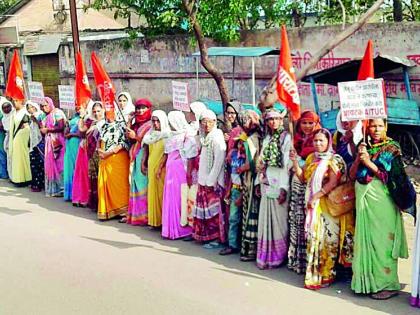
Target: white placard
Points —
{"points": [[360, 100], [36, 92], [181, 96], [66, 96]]}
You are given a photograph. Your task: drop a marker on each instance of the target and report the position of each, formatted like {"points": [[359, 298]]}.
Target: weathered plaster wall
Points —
{"points": [[147, 69]]}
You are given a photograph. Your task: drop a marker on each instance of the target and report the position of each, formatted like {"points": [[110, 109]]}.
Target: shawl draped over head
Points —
{"points": [[237, 107], [6, 117], [90, 115], [272, 154], [197, 108], [387, 156], [129, 106], [155, 135], [36, 136], [302, 143], [206, 140], [54, 143], [142, 118], [178, 122]]}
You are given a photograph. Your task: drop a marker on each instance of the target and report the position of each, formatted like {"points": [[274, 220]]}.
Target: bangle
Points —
{"points": [[323, 191]]}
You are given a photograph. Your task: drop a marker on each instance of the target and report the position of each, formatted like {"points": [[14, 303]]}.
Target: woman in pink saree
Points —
{"points": [[53, 129]]}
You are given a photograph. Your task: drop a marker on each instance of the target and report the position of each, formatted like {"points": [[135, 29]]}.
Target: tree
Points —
{"points": [[5, 5], [221, 19]]}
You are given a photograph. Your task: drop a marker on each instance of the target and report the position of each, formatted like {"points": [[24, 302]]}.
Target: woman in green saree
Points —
{"points": [[382, 190]]}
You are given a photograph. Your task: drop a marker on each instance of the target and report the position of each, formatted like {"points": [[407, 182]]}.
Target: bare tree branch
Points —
{"points": [[205, 61]]}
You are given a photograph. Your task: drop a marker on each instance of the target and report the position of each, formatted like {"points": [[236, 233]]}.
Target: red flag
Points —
{"points": [[287, 89], [104, 85], [366, 67], [14, 87], [82, 90]]}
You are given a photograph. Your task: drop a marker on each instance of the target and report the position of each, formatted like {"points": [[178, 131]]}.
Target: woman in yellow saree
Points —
{"points": [[156, 160], [322, 173], [113, 185]]}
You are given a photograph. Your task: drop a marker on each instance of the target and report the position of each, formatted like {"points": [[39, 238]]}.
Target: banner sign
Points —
{"points": [[361, 100], [36, 92], [181, 96], [66, 96]]}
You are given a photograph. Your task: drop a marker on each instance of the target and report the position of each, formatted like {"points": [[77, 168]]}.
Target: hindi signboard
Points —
{"points": [[181, 96], [36, 92], [360, 100], [66, 96]]}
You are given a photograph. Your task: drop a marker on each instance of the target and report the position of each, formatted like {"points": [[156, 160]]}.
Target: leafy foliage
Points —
{"points": [[6, 4]]}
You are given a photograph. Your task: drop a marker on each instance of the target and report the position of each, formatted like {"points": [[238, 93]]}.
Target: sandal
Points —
{"points": [[123, 220], [246, 258], [383, 295], [212, 245]]}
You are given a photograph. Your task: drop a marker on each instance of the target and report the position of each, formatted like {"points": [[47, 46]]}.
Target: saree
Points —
{"points": [[297, 238], [113, 185], [415, 275], [251, 204], [380, 236], [54, 155], [137, 204], [175, 176], [72, 148], [113, 188], [82, 185], [3, 156], [379, 240], [322, 229], [272, 221], [19, 140], [208, 221], [155, 185]]}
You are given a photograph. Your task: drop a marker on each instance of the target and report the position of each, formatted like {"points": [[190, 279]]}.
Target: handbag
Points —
{"points": [[341, 199]]}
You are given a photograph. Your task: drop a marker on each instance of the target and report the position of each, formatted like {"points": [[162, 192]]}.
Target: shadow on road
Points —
{"points": [[396, 306]]}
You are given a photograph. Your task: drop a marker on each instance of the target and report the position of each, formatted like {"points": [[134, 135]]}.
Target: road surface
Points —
{"points": [[57, 259]]}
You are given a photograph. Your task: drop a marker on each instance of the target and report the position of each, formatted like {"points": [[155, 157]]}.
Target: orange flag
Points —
{"points": [[14, 87], [366, 70], [287, 89], [82, 90], [105, 87]]}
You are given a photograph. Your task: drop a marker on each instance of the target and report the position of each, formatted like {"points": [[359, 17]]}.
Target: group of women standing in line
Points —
{"points": [[243, 183]]}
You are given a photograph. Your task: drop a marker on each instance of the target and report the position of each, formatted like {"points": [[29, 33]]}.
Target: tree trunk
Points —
{"points": [[205, 61], [269, 94], [397, 11]]}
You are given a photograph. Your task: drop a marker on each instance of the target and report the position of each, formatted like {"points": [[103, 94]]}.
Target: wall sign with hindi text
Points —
{"points": [[360, 100]]}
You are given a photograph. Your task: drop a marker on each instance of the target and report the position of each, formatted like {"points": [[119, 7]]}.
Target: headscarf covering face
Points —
{"points": [[155, 135], [303, 143], [129, 106], [6, 117], [36, 136], [147, 115], [37, 112], [208, 114], [197, 108], [51, 116]]}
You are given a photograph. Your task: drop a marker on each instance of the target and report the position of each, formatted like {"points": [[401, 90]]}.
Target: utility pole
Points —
{"points": [[74, 27]]}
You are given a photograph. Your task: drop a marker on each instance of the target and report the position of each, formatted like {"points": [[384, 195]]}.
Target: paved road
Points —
{"points": [[56, 259]]}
